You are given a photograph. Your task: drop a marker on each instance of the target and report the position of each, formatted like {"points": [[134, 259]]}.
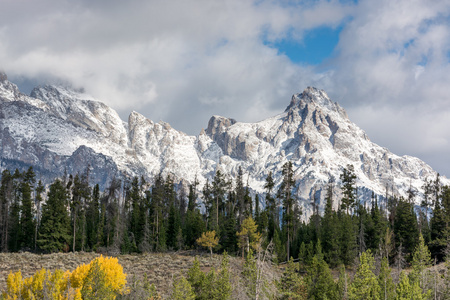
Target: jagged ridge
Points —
{"points": [[56, 128]]}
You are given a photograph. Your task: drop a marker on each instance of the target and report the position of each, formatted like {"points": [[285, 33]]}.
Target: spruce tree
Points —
{"points": [[194, 227], [347, 238], [348, 179], [286, 194], [405, 226], [93, 219], [136, 221], [81, 193], [271, 207], [319, 281], [174, 225], [27, 220], [54, 232], [439, 223], [157, 209], [6, 198], [219, 189]]}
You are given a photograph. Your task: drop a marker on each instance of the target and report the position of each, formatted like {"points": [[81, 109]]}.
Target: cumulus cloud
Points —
{"points": [[392, 73], [182, 61]]}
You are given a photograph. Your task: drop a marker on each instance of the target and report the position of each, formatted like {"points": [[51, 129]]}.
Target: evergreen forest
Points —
{"points": [[390, 245]]}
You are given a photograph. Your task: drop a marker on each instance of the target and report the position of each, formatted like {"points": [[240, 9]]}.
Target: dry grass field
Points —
{"points": [[161, 268]]}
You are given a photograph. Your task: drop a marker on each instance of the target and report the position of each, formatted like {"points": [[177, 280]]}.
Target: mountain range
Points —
{"points": [[58, 129]]}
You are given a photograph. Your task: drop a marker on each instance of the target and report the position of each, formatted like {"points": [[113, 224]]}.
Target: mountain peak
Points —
{"points": [[316, 97]]}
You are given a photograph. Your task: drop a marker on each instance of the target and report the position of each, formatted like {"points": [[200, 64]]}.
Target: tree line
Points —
{"points": [[134, 215]]}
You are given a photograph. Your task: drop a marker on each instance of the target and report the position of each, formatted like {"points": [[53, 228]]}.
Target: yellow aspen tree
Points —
{"points": [[248, 236], [208, 240]]}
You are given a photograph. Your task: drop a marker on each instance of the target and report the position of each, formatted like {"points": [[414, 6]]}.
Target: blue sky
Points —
{"points": [[386, 62], [316, 46]]}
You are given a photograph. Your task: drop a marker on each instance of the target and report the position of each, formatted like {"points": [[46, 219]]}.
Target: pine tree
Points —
{"points": [[364, 285], [174, 224], [136, 216], [6, 198], [182, 290], [405, 226], [27, 222], [222, 286], [280, 247], [81, 193], [240, 196], [291, 285], [420, 263], [329, 230], [54, 232], [271, 207], [192, 196], [229, 239], [194, 227], [347, 238], [342, 284], [93, 219], [348, 179], [196, 277], [285, 193], [387, 286], [250, 274], [156, 209], [407, 290], [439, 223], [219, 186], [319, 281]]}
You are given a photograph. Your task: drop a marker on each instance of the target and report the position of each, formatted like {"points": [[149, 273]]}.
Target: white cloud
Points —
{"points": [[184, 60], [392, 73]]}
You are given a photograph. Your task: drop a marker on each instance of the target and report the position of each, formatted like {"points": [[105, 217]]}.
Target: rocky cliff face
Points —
{"points": [[56, 129]]}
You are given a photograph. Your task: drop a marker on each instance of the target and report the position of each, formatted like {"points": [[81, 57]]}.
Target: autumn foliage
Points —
{"points": [[102, 278], [208, 240]]}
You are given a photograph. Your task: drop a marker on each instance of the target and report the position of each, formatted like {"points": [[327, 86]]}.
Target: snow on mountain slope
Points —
{"points": [[55, 127], [317, 136]]}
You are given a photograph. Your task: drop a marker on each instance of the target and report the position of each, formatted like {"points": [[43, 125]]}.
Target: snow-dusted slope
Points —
{"points": [[56, 128], [317, 136]]}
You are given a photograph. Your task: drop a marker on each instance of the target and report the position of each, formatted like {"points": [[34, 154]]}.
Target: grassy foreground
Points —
{"points": [[161, 268]]}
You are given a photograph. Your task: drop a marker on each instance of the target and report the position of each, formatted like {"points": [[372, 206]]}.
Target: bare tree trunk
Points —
{"points": [[261, 257]]}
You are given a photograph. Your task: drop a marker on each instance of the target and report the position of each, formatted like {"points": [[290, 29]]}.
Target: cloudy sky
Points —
{"points": [[181, 61]]}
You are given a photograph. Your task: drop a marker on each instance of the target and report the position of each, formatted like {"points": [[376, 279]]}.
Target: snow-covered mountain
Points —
{"points": [[56, 129]]}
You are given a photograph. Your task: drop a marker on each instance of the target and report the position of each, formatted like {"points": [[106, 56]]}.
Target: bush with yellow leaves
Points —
{"points": [[102, 278]]}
